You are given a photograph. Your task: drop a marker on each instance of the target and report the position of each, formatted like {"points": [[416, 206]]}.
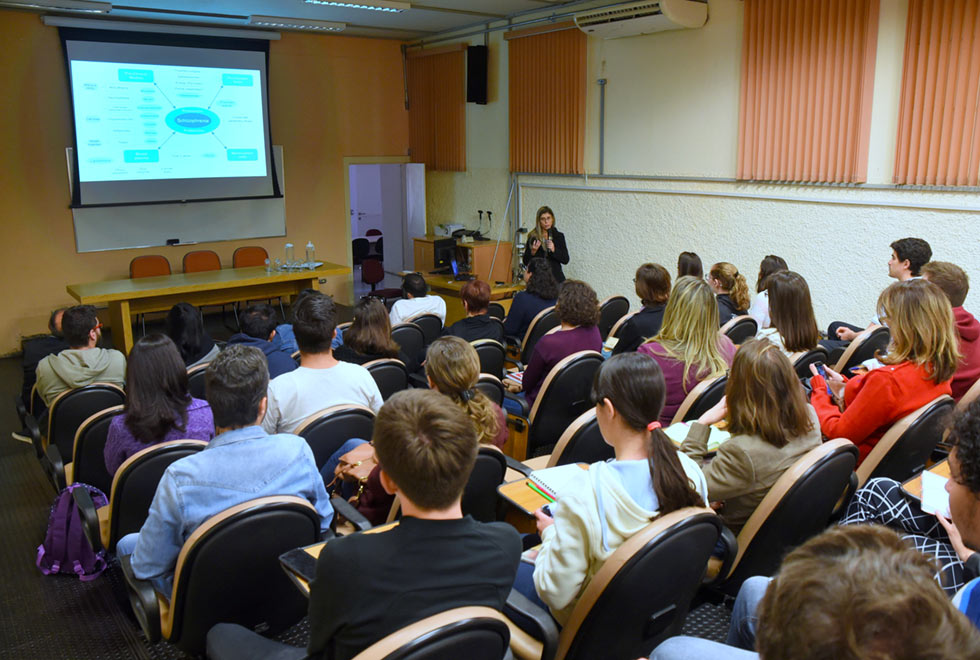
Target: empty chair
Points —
{"points": [[474, 633], [373, 273], [228, 572], [701, 399], [201, 260], [480, 494], [359, 249], [325, 431], [491, 354], [249, 256], [802, 360], [864, 347], [740, 329], [430, 324], [149, 265], [88, 457], [390, 375], [611, 310], [492, 387], [496, 310], [195, 380]]}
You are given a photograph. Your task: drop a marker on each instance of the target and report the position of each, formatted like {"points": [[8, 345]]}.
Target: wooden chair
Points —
{"points": [[582, 442], [195, 380], [496, 310], [148, 265], [700, 399], [618, 327], [970, 396], [740, 329], [88, 456], [491, 354], [430, 324], [803, 359], [475, 633], [491, 386], [390, 375], [545, 321], [611, 310], [410, 340], [480, 498], [328, 429], [864, 347]]}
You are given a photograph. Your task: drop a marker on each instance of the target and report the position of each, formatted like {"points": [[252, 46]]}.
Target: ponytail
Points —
{"points": [[740, 292], [733, 282], [670, 483], [483, 413]]}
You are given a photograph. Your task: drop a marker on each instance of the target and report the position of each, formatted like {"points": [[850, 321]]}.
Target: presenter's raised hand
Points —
{"points": [[535, 245]]}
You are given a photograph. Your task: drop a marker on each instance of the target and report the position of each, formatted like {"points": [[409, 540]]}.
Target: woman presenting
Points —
{"points": [[546, 241]]}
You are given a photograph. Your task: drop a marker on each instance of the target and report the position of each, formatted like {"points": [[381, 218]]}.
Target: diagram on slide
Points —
{"points": [[150, 121]]}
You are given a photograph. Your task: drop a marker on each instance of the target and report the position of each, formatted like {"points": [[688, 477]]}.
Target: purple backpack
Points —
{"points": [[65, 548]]}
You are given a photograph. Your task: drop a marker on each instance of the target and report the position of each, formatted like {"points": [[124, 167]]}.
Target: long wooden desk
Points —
{"points": [[128, 297]]}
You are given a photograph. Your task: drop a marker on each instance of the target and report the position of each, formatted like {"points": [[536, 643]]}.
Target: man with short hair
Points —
{"points": [[955, 284], [416, 300], [321, 381], [259, 330], [478, 323], [241, 463], [370, 585], [83, 362]]}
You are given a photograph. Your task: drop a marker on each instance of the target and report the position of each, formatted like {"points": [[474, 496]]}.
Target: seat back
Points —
{"points": [[902, 451], [491, 354], [611, 310], [803, 359], [379, 246], [740, 329], [201, 260], [864, 347], [88, 457], [390, 374], [700, 399], [359, 249], [582, 442], [135, 484], [72, 407], [797, 507], [409, 338], [540, 325], [475, 633], [565, 394], [480, 493], [373, 232], [431, 326], [618, 325], [249, 256], [325, 431], [149, 265], [496, 310], [195, 380], [641, 594], [492, 387], [969, 397], [372, 272], [228, 570]]}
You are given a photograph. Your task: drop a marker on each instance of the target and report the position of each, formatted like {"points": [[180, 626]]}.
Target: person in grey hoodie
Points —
{"points": [[83, 362]]}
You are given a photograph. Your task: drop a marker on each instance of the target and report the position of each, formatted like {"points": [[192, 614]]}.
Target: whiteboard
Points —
{"points": [[150, 225]]}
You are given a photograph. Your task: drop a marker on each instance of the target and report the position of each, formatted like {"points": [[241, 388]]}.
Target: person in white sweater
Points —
{"points": [[416, 300], [614, 500]]}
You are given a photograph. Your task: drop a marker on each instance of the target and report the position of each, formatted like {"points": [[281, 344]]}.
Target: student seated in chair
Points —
{"points": [[259, 330], [478, 324], [370, 585], [540, 293], [416, 300], [241, 463], [955, 284], [38, 348]]}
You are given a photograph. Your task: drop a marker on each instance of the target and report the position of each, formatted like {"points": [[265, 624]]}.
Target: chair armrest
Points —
{"points": [[727, 539], [515, 464], [346, 509], [89, 517], [33, 430], [547, 628], [55, 467], [512, 340], [143, 599], [521, 401], [21, 409]]}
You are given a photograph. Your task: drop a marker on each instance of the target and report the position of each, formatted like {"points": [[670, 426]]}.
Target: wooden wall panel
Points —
{"points": [[437, 108]]}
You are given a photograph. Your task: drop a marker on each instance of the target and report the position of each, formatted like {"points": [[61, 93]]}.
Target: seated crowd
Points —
{"points": [[425, 443]]}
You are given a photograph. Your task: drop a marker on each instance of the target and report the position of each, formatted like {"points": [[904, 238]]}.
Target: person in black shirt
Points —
{"points": [[369, 336], [652, 284], [540, 293], [39, 348], [478, 323], [546, 241], [731, 290]]}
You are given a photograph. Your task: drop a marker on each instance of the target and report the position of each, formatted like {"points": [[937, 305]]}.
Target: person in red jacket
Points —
{"points": [[920, 361], [955, 284]]}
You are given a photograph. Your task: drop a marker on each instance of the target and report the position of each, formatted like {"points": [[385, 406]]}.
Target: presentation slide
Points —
{"points": [[148, 121]]}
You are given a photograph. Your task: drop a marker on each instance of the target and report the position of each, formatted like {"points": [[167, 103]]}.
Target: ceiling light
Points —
{"points": [[376, 5], [78, 6], [296, 23]]}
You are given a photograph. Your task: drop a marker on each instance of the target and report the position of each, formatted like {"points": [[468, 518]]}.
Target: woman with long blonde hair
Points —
{"points": [[920, 361], [732, 291], [452, 368], [546, 241], [689, 347]]}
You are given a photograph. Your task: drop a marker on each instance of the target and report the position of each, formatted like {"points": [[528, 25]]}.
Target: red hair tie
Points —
{"points": [[653, 425]]}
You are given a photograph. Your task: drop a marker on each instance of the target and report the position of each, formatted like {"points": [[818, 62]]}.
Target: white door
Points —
{"points": [[391, 199]]}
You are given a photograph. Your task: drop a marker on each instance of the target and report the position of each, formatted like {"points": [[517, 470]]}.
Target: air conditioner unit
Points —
{"points": [[633, 18]]}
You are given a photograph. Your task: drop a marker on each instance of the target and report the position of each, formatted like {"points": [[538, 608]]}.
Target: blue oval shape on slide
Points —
{"points": [[192, 121]]}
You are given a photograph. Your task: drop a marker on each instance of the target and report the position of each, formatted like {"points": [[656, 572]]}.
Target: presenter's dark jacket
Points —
{"points": [[643, 325], [555, 259]]}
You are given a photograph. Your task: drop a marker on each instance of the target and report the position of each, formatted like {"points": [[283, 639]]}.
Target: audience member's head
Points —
{"points": [[577, 304], [915, 251], [453, 367], [764, 395], [770, 264], [427, 446], [370, 333], [54, 322], [920, 319], [185, 326], [689, 263], [950, 278], [859, 592], [236, 382], [689, 332], [629, 393], [259, 321], [791, 311], [540, 279], [414, 286], [156, 389], [652, 284], [476, 297], [81, 326], [964, 467], [314, 323], [725, 278], [299, 296]]}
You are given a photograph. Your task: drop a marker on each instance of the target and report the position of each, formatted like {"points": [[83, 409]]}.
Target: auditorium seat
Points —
{"points": [[700, 399], [475, 633], [611, 310]]}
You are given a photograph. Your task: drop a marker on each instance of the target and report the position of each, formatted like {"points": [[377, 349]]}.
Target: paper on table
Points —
{"points": [[935, 499]]}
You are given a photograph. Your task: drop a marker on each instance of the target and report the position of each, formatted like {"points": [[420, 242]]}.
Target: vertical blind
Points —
{"points": [[547, 100], [437, 107], [938, 137], [807, 81]]}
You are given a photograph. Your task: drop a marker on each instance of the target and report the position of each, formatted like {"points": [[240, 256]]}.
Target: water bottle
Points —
{"points": [[268, 266], [290, 257], [310, 256]]}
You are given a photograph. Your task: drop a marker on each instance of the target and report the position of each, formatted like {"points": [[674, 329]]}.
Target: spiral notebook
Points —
{"points": [[554, 481]]}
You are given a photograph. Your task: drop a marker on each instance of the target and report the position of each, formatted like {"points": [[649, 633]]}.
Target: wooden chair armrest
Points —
{"points": [[548, 629], [55, 467], [718, 569]]}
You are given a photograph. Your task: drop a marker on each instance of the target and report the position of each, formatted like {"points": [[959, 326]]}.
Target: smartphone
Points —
{"points": [[823, 372], [546, 510]]}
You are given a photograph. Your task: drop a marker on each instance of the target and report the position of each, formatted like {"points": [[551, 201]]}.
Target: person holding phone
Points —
{"points": [[546, 241]]}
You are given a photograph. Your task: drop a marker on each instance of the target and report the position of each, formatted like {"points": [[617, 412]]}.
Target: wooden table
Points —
{"points": [[448, 289], [524, 501], [128, 297], [914, 485]]}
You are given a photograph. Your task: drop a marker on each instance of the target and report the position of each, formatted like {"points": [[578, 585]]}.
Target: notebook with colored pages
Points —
{"points": [[552, 482], [678, 433], [517, 377]]}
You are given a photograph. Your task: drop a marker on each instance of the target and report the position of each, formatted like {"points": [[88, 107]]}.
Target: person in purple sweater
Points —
{"points": [[689, 347], [578, 312], [158, 405]]}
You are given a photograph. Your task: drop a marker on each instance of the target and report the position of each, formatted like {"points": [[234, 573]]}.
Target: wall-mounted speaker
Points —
{"points": [[476, 74]]}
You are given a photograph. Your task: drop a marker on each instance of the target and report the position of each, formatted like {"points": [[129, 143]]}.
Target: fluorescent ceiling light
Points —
{"points": [[296, 23], [78, 6], [376, 5]]}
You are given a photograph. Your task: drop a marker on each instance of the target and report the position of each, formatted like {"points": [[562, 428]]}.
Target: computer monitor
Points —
{"points": [[443, 251], [454, 266]]}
